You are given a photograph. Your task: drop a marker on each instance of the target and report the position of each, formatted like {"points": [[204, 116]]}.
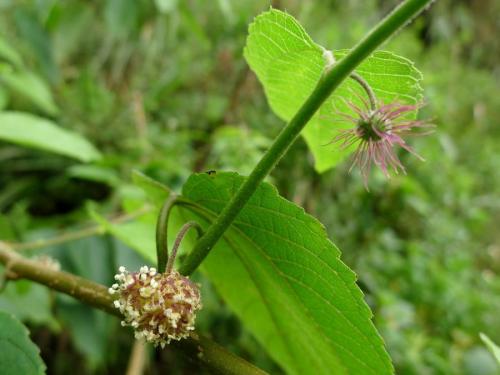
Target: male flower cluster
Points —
{"points": [[160, 307]]}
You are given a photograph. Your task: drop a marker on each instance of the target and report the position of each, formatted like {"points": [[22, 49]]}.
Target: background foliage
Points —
{"points": [[162, 86]]}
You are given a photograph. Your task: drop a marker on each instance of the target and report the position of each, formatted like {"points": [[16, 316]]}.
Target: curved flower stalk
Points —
{"points": [[160, 307]]}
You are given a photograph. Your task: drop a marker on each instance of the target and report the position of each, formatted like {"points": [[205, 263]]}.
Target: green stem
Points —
{"points": [[369, 91], [326, 85], [201, 349], [162, 233], [178, 240]]}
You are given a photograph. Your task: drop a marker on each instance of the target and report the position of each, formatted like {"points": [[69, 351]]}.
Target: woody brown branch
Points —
{"points": [[199, 348]]}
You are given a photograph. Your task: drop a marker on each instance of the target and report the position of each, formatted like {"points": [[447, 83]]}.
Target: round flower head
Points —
{"points": [[159, 306], [377, 131]]}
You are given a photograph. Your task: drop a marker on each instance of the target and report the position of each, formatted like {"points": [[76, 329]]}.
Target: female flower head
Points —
{"points": [[378, 131]]}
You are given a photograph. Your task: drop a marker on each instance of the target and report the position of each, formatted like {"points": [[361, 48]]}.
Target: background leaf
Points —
{"points": [[90, 329], [18, 355], [493, 348], [289, 64], [8, 53], [4, 98], [36, 132], [94, 173], [31, 87], [19, 297]]}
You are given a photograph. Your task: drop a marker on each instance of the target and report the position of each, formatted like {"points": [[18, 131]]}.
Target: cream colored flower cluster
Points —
{"points": [[160, 307]]}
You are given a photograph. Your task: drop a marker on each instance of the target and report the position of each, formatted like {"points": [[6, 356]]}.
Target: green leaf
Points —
{"points": [[35, 132], [289, 64], [139, 235], [90, 330], [31, 87], [4, 98], [92, 258], [155, 190], [19, 297], [96, 173], [122, 17], [277, 270], [9, 54], [166, 6], [492, 347], [18, 354]]}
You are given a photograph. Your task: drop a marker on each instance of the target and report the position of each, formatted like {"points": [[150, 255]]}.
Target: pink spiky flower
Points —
{"points": [[377, 132]]}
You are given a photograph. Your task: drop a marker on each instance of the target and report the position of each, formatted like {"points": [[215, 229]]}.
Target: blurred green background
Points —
{"points": [[162, 87]]}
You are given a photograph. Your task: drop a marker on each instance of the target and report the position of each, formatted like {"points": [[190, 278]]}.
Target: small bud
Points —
{"points": [[48, 262], [160, 307]]}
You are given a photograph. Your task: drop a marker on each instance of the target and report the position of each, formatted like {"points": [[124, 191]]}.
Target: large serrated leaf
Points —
{"points": [[18, 354], [289, 64], [315, 308], [36, 132], [278, 271]]}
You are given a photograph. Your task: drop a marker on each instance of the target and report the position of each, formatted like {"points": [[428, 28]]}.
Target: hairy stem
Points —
{"points": [[369, 91], [92, 294], [326, 85], [178, 240], [198, 348]]}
